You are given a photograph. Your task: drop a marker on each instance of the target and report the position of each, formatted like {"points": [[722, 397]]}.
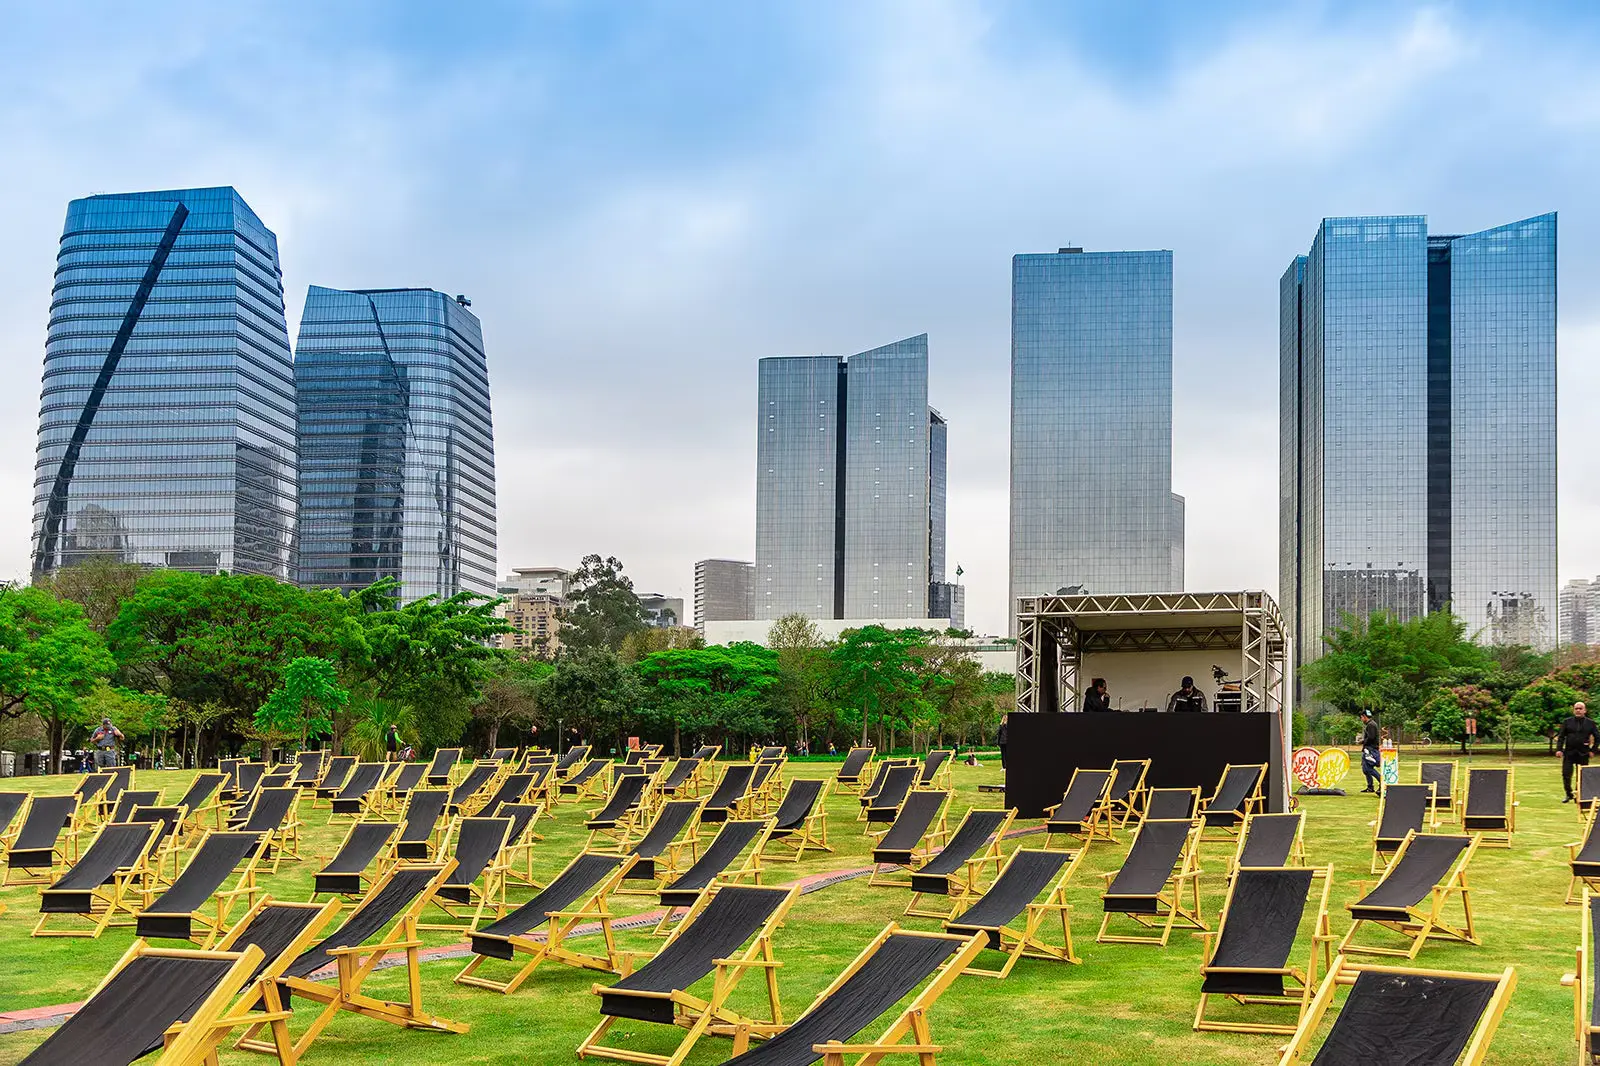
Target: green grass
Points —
{"points": [[1127, 1004]]}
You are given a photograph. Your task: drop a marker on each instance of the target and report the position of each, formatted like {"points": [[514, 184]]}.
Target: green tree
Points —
{"points": [[370, 719], [1447, 711], [51, 662], [306, 700], [510, 694], [719, 689], [100, 586], [1540, 708], [594, 691], [636, 646], [602, 609], [875, 676], [802, 680]]}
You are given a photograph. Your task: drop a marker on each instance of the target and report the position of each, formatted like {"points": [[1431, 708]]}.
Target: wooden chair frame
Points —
{"points": [[1185, 875], [1303, 983], [1428, 822], [1255, 800], [812, 833], [376, 867], [856, 785], [941, 776], [282, 841], [624, 825], [1030, 943], [213, 918], [1098, 822], [969, 882], [1581, 981], [699, 1014], [518, 853], [1127, 809], [933, 838], [90, 799], [912, 1018], [1342, 972], [1494, 838], [445, 779], [262, 1003], [670, 862], [488, 889], [207, 814], [1297, 850], [593, 787], [109, 898], [735, 873], [62, 852], [1420, 925]]}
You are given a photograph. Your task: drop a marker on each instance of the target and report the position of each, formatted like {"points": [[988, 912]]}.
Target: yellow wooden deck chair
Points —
{"points": [[1158, 885], [1428, 873], [941, 883], [113, 874], [1016, 894], [196, 906]]}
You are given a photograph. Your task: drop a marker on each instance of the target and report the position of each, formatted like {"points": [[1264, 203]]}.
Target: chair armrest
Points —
{"points": [[767, 963]]}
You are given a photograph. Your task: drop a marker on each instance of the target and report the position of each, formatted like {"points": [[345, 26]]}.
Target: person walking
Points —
{"points": [[1579, 737], [1371, 757]]}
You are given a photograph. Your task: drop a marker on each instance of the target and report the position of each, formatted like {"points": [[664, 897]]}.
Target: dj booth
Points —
{"points": [[1231, 643]]}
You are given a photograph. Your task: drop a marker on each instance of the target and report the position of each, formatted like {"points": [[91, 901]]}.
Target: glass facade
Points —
{"points": [[1417, 427], [849, 485], [1091, 424], [396, 443], [166, 421]]}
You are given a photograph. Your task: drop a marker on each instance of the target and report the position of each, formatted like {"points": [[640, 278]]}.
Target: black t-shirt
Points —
{"points": [[1369, 734], [1578, 734], [393, 741], [1094, 701]]}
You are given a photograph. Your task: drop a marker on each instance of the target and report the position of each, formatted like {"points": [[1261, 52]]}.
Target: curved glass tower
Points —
{"points": [[166, 415], [396, 443]]}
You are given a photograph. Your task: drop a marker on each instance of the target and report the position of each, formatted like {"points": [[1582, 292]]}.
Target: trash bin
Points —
{"points": [[8, 764]]}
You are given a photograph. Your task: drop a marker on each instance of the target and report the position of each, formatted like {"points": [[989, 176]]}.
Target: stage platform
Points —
{"points": [[1185, 751]]}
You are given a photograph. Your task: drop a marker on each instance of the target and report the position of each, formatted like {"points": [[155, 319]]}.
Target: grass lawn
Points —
{"points": [[1127, 1004]]}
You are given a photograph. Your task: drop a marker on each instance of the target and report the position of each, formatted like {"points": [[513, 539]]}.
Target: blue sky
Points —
{"points": [[642, 199]]}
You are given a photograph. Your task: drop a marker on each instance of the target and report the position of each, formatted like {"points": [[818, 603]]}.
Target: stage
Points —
{"points": [[1185, 751]]}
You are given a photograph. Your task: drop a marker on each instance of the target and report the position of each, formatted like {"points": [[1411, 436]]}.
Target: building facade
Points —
{"points": [[532, 602], [1417, 428], [166, 414], [1092, 505], [662, 612], [724, 591], [396, 443], [850, 479], [1579, 612]]}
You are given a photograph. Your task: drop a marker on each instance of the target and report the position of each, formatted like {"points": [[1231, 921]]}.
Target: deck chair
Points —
{"points": [[1248, 959], [247, 777], [477, 846], [732, 787], [1585, 1008], [201, 801], [573, 759], [273, 815], [419, 824], [542, 786], [658, 853], [586, 782], [276, 778], [683, 778], [1588, 788], [853, 771], [1422, 1017], [716, 863], [167, 847], [771, 753], [307, 769], [504, 755], [801, 820], [481, 776], [145, 994], [1584, 860], [935, 771], [917, 830], [728, 933], [356, 948], [334, 778], [363, 791], [886, 972], [1163, 804], [37, 847], [1085, 808], [1015, 894], [764, 782], [707, 752], [884, 807], [121, 781], [1402, 810], [1155, 877], [955, 873], [444, 761], [513, 788], [196, 906], [90, 794], [1442, 776], [578, 894], [229, 769], [113, 870], [122, 810], [1239, 793], [1427, 872], [344, 873], [1127, 786], [1271, 840], [518, 852], [1490, 806], [11, 804], [617, 816], [406, 781]]}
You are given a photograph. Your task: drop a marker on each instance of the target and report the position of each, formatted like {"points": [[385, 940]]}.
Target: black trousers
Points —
{"points": [[1569, 759]]}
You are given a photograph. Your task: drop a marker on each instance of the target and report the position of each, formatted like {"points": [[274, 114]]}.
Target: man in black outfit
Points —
{"points": [[1187, 698], [1578, 738], [1000, 738], [1097, 698], [1371, 756]]}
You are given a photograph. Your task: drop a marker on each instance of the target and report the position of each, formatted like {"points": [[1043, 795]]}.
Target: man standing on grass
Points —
{"points": [[1578, 738], [1371, 757]]}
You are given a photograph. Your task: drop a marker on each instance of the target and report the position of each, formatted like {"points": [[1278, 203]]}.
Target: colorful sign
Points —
{"points": [[1320, 769], [1390, 763], [1303, 764]]}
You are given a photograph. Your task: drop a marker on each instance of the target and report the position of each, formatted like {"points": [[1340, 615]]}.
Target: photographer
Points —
{"points": [[105, 740]]}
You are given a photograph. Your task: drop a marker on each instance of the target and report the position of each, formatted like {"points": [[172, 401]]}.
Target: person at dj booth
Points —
{"points": [[1187, 698], [1097, 698]]}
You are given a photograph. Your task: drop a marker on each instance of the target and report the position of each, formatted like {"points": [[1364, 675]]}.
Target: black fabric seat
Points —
{"points": [[574, 884], [590, 770], [1155, 854], [10, 804], [1486, 800], [117, 847], [423, 810], [1125, 775], [931, 764], [899, 844], [444, 760], [1027, 874], [572, 756], [352, 799], [1586, 863], [477, 777], [307, 765], [408, 778], [171, 914], [135, 797], [798, 801], [854, 761], [200, 791], [272, 927], [246, 776], [673, 818], [976, 829], [731, 788], [1404, 809], [271, 807], [1227, 806], [510, 790], [1269, 839], [624, 798], [35, 844], [1425, 862], [1441, 776], [338, 774], [478, 842], [682, 773], [376, 911], [1169, 803], [900, 964], [1084, 794], [342, 874], [730, 841], [1418, 1019], [1258, 931], [884, 806]]}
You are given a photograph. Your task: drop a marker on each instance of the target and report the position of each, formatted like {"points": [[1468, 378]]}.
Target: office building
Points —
{"points": [[534, 598], [1579, 606], [166, 414], [396, 443], [849, 485], [1092, 506], [723, 591], [1417, 428], [662, 612]]}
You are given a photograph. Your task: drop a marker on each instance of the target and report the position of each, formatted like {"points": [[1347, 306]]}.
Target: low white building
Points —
{"points": [[993, 653]]}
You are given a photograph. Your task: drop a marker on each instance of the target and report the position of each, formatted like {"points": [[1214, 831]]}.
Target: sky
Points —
{"points": [[644, 198]]}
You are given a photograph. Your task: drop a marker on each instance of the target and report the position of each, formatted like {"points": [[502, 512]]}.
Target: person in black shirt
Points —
{"points": [[1000, 738], [1578, 738], [1187, 698], [1097, 699], [1371, 757], [391, 742]]}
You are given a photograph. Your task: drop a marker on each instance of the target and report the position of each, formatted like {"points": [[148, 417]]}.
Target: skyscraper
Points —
{"points": [[1092, 504], [396, 443], [166, 415], [1579, 609], [1417, 427], [723, 591], [849, 491]]}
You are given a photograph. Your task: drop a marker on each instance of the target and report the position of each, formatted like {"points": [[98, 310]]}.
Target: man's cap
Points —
{"points": [[1188, 682]]}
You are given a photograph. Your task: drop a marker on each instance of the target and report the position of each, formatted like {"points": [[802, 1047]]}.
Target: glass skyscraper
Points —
{"points": [[849, 485], [1092, 505], [166, 415], [396, 443], [1417, 427]]}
